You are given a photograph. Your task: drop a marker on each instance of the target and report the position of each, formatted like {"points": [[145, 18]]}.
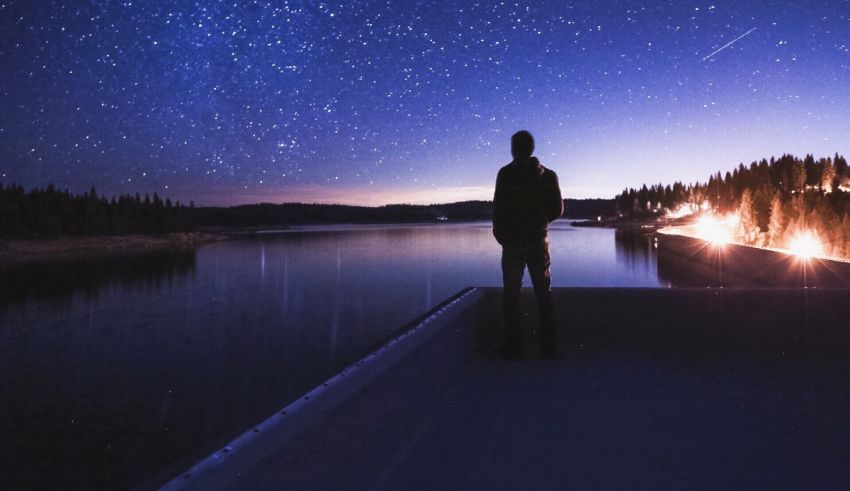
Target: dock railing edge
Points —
{"points": [[285, 421]]}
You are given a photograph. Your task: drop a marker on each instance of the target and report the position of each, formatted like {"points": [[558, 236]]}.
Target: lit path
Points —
{"points": [[681, 389]]}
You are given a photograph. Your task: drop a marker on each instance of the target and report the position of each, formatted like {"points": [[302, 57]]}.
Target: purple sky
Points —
{"points": [[414, 101]]}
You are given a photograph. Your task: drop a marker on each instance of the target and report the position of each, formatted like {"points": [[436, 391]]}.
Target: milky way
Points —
{"points": [[373, 102]]}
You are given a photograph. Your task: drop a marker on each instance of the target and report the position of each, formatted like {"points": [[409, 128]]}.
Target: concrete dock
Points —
{"points": [[654, 389]]}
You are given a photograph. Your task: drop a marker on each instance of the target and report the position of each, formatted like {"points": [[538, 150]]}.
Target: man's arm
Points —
{"points": [[498, 205], [555, 206]]}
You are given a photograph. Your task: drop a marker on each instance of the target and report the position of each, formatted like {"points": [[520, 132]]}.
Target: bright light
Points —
{"points": [[686, 209], [806, 245], [713, 230]]}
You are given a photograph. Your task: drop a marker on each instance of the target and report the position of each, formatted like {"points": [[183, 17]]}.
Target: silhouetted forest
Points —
{"points": [[589, 208], [267, 214], [53, 213], [774, 199]]}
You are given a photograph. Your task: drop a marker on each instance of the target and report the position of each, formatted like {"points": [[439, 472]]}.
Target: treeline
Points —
{"points": [[267, 214], [589, 208], [50, 213], [776, 200]]}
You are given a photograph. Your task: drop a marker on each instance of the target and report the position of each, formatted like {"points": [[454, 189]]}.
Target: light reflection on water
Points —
{"points": [[117, 367]]}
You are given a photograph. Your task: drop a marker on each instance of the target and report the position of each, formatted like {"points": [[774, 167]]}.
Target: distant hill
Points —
{"points": [[267, 214], [54, 213], [589, 208], [303, 214]]}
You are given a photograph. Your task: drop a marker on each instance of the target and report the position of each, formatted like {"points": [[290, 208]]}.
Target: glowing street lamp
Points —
{"points": [[806, 245], [713, 230]]}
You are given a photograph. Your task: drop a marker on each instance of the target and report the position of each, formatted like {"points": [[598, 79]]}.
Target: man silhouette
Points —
{"points": [[527, 198]]}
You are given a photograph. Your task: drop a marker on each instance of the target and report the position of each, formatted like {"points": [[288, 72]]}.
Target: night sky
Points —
{"points": [[410, 101]]}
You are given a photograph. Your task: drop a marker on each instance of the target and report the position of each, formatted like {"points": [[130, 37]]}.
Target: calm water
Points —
{"points": [[113, 369]]}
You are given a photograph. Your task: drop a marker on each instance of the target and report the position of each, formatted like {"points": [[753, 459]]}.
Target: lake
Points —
{"points": [[115, 368]]}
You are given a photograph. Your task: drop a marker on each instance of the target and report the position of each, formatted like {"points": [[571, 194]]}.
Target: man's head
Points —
{"points": [[522, 144]]}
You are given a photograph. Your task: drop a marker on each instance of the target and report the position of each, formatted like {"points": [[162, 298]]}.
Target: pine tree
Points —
{"points": [[797, 176], [812, 171], [840, 167], [747, 225], [777, 222], [845, 234], [827, 176]]}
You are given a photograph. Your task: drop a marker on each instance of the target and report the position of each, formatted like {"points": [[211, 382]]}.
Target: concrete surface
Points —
{"points": [[655, 389]]}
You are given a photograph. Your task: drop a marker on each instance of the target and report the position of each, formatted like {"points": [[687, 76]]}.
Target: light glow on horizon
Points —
{"points": [[717, 231], [806, 245], [352, 196], [685, 210]]}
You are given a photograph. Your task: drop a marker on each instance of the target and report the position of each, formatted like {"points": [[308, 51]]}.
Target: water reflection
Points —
{"points": [[146, 360], [635, 250], [57, 280]]}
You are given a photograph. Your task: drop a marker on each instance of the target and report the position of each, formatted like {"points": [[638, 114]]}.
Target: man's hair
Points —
{"points": [[522, 144]]}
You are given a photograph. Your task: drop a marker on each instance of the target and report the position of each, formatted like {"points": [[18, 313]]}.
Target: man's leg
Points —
{"points": [[539, 263], [513, 265]]}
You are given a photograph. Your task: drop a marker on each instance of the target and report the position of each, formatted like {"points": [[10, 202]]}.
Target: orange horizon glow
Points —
{"points": [[806, 245], [370, 196], [718, 231]]}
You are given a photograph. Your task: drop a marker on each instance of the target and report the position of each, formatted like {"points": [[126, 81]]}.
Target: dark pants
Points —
{"points": [[514, 260]]}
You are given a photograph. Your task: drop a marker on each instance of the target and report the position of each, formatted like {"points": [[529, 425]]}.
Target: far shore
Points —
{"points": [[27, 250], [14, 251], [646, 225]]}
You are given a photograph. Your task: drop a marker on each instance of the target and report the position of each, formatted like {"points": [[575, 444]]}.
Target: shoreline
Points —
{"points": [[18, 251], [648, 225]]}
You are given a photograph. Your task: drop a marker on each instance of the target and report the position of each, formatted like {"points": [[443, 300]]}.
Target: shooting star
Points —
{"points": [[730, 43]]}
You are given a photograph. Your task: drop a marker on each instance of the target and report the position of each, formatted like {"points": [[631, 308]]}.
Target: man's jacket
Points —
{"points": [[527, 199]]}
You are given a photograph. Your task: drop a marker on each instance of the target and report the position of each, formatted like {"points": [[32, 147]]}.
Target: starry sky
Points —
{"points": [[410, 101]]}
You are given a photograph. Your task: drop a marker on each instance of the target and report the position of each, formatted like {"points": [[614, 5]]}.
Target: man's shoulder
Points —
{"points": [[549, 173], [505, 172]]}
